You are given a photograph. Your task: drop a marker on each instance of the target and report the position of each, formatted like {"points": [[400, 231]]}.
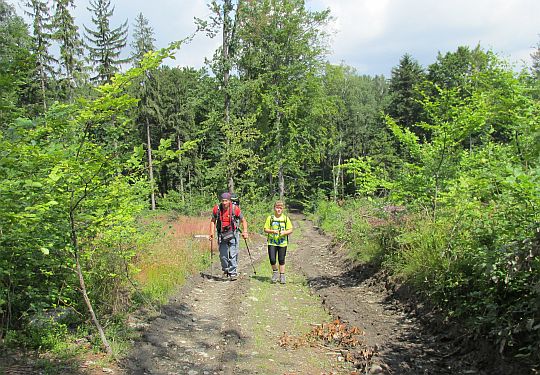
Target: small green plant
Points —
{"points": [[42, 333]]}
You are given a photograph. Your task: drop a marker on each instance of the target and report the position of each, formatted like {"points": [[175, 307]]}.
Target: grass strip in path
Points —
{"points": [[274, 310]]}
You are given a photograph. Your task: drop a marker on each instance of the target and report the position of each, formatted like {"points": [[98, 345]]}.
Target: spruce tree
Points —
{"points": [[66, 33], [536, 61], [535, 72], [404, 105], [16, 65], [143, 38], [39, 12], [105, 43], [144, 42]]}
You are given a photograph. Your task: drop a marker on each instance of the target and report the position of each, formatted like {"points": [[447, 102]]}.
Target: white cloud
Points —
{"points": [[370, 35], [372, 38]]}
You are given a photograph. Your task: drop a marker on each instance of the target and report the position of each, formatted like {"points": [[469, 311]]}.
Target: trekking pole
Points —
{"points": [[250, 258], [212, 257]]}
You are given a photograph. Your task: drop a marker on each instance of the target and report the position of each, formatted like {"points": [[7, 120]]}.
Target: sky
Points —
{"points": [[369, 35]]}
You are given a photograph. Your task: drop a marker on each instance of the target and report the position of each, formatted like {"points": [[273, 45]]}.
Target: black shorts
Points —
{"points": [[281, 251]]}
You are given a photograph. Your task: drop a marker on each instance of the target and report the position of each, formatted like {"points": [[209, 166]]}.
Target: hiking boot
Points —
{"points": [[275, 277], [226, 275], [282, 278], [233, 277]]}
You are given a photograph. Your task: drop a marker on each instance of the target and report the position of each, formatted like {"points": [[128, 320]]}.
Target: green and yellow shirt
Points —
{"points": [[281, 223]]}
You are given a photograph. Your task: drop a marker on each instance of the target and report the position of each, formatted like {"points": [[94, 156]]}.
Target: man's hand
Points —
{"points": [[245, 235], [211, 237]]}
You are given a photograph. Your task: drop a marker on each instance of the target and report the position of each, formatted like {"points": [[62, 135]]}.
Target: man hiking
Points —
{"points": [[225, 219], [278, 227]]}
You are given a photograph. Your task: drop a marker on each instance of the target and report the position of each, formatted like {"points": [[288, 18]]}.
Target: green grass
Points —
{"points": [[277, 309]]}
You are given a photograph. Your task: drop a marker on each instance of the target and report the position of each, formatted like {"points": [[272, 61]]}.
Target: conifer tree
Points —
{"points": [[535, 71], [536, 61], [404, 105], [143, 42], [39, 12], [105, 43], [143, 38], [66, 33], [16, 64]]}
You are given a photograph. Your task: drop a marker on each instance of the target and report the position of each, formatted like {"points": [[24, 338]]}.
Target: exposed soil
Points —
{"points": [[210, 327], [251, 326], [406, 338]]}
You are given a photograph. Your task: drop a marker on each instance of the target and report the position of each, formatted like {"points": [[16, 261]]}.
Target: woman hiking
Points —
{"points": [[278, 227]]}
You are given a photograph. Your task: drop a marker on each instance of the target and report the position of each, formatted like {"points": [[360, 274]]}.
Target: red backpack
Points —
{"points": [[234, 215]]}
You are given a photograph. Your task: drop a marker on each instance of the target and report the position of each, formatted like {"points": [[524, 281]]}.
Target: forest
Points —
{"points": [[432, 173]]}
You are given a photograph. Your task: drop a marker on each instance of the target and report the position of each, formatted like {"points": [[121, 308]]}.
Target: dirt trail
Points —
{"points": [[224, 327], [198, 332]]}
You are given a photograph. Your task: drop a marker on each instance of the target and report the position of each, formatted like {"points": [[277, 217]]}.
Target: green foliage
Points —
{"points": [[16, 66], [190, 205], [469, 242], [276, 120], [361, 226], [105, 43], [64, 196], [367, 178], [356, 128], [288, 99], [43, 334], [66, 33], [405, 106]]}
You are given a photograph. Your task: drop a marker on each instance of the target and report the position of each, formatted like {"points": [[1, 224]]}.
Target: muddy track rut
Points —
{"points": [[208, 328]]}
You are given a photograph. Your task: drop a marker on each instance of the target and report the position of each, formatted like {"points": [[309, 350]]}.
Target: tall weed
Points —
{"points": [[175, 254], [357, 225], [422, 258]]}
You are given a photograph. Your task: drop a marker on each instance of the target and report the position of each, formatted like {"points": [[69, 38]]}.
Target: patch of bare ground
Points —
{"points": [[406, 337], [332, 317], [215, 326]]}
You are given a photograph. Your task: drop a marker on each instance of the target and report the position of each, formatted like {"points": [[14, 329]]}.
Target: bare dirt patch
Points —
{"points": [[405, 338], [251, 326]]}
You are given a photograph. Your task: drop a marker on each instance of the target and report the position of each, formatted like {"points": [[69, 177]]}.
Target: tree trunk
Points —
{"points": [[226, 32], [42, 79], [281, 182], [342, 184], [182, 192], [337, 172], [75, 244], [271, 183], [150, 166], [337, 178], [281, 174]]}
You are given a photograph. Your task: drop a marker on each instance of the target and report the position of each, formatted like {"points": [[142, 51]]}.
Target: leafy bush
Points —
{"points": [[42, 333], [190, 204], [361, 225]]}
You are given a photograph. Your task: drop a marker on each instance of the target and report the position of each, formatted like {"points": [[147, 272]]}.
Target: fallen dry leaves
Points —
{"points": [[336, 336]]}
